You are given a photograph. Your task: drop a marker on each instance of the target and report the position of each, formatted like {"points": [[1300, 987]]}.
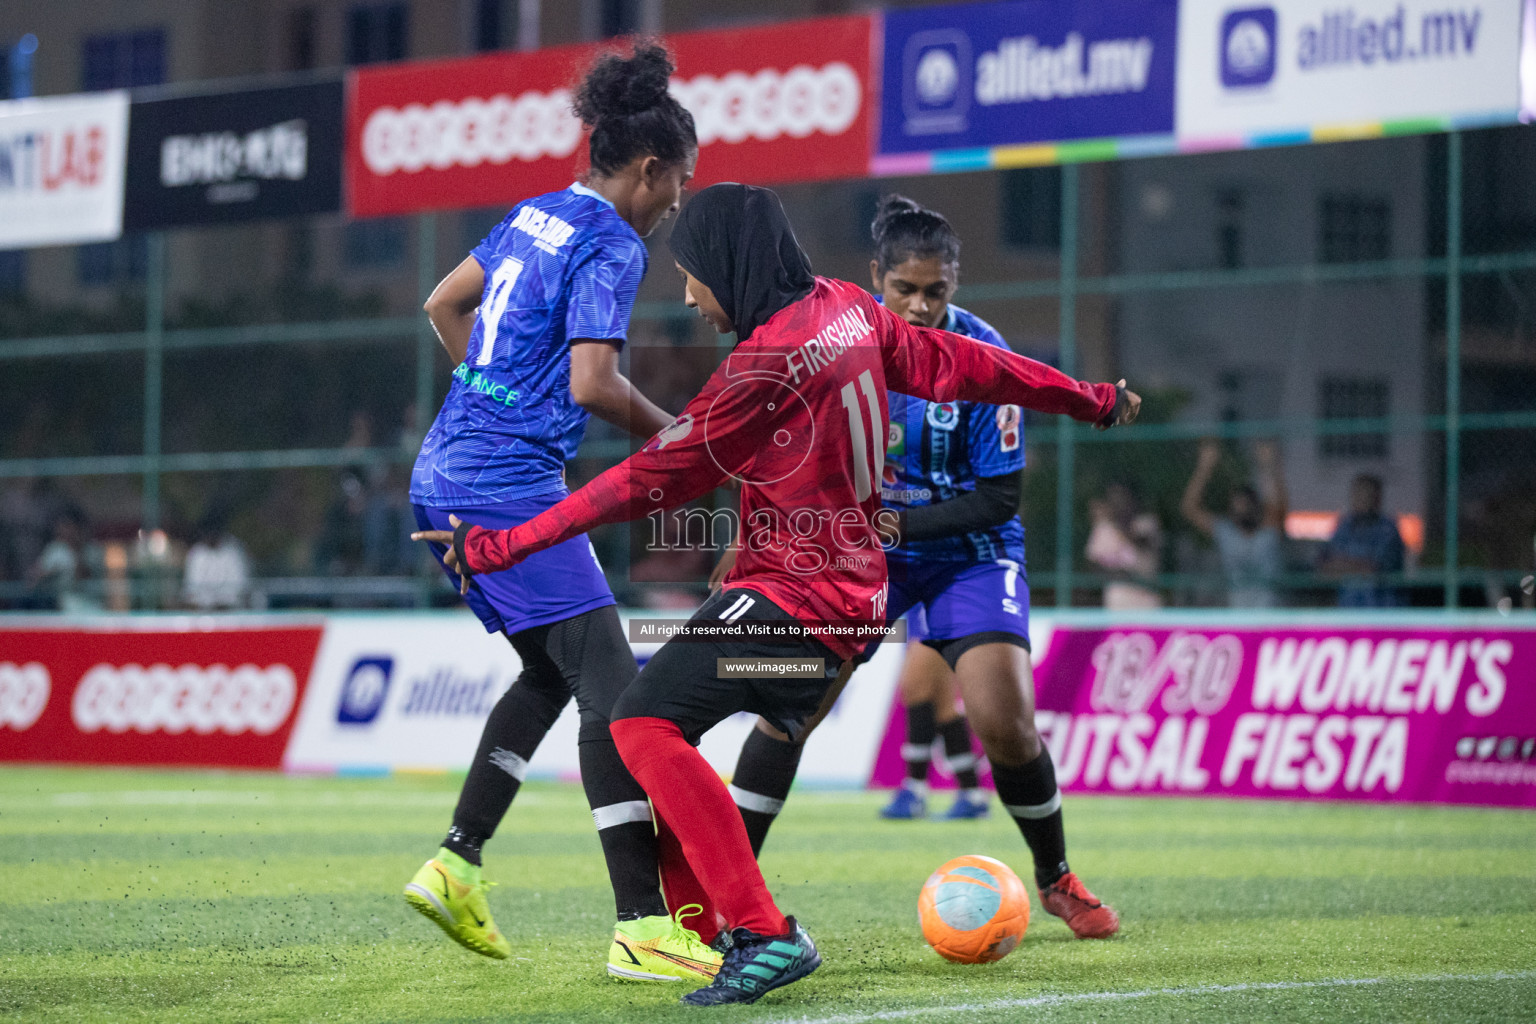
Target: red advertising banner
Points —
{"points": [[790, 102], [1443, 715], [222, 697]]}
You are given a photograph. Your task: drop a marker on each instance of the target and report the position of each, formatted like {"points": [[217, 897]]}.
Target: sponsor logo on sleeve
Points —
{"points": [[1008, 427], [943, 415], [675, 431]]}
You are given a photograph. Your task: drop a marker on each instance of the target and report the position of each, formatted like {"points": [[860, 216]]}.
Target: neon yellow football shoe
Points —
{"points": [[660, 949], [448, 890]]}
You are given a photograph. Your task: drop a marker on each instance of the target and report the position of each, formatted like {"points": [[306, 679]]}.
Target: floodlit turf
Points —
{"points": [[139, 896]]}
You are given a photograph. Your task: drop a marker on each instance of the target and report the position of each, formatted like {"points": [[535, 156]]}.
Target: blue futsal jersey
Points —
{"points": [[559, 268], [935, 452]]}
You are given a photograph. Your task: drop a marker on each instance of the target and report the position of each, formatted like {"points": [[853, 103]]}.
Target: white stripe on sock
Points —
{"points": [[1033, 811], [749, 801], [961, 762], [915, 752], [513, 764], [621, 814]]}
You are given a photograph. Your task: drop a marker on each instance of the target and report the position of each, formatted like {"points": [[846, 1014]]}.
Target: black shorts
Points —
{"points": [[682, 682]]}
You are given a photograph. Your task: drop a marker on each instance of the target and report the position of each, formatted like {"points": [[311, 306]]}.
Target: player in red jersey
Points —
{"points": [[796, 413]]}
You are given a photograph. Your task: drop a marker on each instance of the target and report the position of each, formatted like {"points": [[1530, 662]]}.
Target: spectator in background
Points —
{"points": [[359, 431], [341, 548], [60, 577], [1125, 542], [1249, 537], [1365, 546], [218, 573], [28, 510]]}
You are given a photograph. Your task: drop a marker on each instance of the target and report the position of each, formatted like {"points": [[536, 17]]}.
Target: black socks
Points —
{"points": [[958, 753], [764, 772], [918, 750], [512, 732], [1029, 794]]}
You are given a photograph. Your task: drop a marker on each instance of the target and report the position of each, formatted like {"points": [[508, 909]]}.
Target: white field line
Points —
{"points": [[1071, 998], [275, 799]]}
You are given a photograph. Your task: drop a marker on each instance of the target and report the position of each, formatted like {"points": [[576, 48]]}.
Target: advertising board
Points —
{"points": [[61, 169], [1026, 71], [233, 156], [1254, 73], [788, 102], [1325, 712], [170, 694]]}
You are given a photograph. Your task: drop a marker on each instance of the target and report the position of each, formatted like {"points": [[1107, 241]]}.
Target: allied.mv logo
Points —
{"points": [[364, 690], [1248, 43], [936, 81]]}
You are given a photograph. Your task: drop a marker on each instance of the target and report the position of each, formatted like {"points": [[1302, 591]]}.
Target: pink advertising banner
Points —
{"points": [[1444, 715]]}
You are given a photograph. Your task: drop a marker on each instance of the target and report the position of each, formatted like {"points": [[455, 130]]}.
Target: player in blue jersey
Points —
{"points": [[534, 321], [927, 691], [954, 474]]}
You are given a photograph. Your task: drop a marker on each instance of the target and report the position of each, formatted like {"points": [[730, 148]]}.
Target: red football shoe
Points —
{"points": [[1069, 899]]}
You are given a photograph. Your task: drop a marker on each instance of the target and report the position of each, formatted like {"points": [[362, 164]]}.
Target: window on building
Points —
{"points": [[1031, 202], [1229, 228], [475, 225], [113, 263], [13, 271], [302, 33], [123, 60], [1354, 398], [376, 244], [488, 25], [1353, 228], [618, 17], [376, 32]]}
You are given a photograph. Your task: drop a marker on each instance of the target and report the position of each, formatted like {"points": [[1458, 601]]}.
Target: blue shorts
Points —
{"points": [[557, 583], [960, 599]]}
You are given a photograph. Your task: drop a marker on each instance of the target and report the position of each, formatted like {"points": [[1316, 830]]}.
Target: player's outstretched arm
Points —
{"points": [[943, 367], [713, 438]]}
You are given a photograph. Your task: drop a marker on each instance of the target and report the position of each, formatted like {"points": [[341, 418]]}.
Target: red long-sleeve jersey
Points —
{"points": [[798, 413]]}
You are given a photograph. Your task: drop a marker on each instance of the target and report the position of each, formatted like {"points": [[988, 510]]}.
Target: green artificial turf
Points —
{"points": [[178, 896]]}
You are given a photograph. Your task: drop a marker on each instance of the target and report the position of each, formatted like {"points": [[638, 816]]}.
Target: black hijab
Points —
{"points": [[736, 240]]}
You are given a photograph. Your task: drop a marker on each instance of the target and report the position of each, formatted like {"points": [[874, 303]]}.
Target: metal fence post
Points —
{"points": [[154, 375], [1452, 368], [1066, 451], [426, 352]]}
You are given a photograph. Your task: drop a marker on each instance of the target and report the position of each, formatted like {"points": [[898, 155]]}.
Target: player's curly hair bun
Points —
{"points": [[625, 102], [903, 230]]}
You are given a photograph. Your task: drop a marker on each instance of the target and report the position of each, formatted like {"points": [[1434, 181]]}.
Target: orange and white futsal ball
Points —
{"points": [[973, 910]]}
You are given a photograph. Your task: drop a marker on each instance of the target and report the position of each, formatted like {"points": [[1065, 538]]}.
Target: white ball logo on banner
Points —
{"points": [[536, 126], [203, 699], [24, 693]]}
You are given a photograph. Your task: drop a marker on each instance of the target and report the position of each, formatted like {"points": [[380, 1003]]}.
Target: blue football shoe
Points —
{"points": [[905, 805], [967, 807]]}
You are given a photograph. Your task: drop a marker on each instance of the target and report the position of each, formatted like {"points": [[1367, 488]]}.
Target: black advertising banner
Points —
{"points": [[234, 156]]}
